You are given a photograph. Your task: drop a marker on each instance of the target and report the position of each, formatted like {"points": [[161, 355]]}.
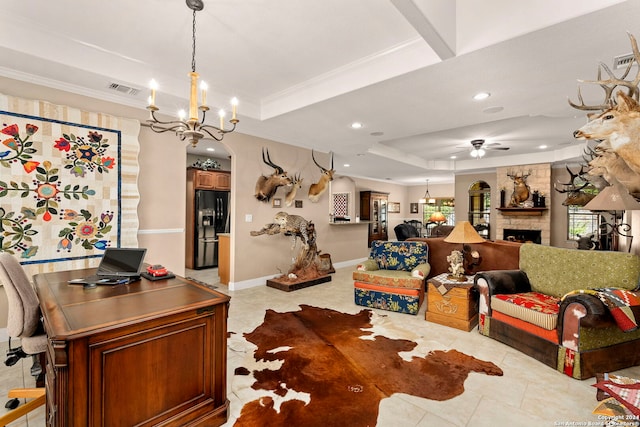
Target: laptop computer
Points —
{"points": [[118, 265]]}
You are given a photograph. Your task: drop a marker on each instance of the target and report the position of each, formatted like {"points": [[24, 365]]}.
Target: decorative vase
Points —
{"points": [[541, 200], [503, 197]]}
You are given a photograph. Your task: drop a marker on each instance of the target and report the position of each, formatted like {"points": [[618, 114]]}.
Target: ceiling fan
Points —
{"points": [[479, 147]]}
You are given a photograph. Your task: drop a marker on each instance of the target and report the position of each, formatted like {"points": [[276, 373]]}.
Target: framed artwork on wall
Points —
{"points": [[298, 203], [394, 207], [276, 203], [414, 208]]}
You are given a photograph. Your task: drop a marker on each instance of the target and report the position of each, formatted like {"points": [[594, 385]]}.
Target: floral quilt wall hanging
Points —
{"points": [[60, 188]]}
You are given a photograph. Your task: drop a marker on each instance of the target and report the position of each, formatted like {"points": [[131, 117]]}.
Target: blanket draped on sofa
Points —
{"points": [[624, 305]]}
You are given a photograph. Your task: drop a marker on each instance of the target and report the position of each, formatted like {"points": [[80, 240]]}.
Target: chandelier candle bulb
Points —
{"points": [[234, 107], [152, 99], [221, 113], [203, 87]]}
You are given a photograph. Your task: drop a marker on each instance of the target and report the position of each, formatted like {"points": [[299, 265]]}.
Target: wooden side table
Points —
{"points": [[452, 303]]}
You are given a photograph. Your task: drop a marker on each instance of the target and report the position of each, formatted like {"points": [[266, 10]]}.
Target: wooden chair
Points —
{"points": [[23, 323]]}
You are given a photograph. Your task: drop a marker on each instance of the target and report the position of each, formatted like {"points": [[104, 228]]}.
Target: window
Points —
{"points": [[581, 221], [446, 206]]}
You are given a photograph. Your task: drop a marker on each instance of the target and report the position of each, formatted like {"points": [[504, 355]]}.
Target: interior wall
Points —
{"points": [[161, 182], [255, 258], [416, 192]]}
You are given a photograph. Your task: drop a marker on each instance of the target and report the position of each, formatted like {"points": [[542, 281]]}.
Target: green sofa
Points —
{"points": [[555, 308]]}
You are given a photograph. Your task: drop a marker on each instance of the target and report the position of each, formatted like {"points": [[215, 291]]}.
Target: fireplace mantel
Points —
{"points": [[522, 211]]}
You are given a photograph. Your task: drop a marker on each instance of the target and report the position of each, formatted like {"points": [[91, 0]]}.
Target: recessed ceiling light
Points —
{"points": [[346, 165], [481, 95], [211, 149], [542, 147], [453, 157], [356, 125]]}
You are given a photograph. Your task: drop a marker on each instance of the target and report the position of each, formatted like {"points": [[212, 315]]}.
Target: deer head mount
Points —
{"points": [[316, 190], [617, 127], [266, 186], [574, 189], [521, 190]]}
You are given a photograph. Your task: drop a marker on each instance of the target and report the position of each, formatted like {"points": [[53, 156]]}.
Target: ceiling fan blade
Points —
{"points": [[496, 148]]}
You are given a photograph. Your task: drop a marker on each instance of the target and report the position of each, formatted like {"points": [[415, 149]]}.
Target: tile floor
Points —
{"points": [[529, 393]]}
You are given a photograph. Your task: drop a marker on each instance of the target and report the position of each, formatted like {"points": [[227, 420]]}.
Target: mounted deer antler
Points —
{"points": [[520, 188], [316, 190], [610, 84], [266, 186], [296, 183], [575, 195]]}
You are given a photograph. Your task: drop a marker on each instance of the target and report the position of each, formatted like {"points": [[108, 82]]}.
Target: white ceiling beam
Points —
{"points": [[435, 21]]}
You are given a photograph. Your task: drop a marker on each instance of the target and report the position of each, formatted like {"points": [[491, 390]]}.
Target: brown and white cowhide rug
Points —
{"points": [[318, 366]]}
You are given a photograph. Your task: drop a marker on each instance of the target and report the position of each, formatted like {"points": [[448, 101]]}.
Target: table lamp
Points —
{"points": [[463, 233], [437, 217]]}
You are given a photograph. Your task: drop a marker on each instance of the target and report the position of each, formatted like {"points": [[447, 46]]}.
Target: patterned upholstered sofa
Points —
{"points": [[550, 309], [393, 276]]}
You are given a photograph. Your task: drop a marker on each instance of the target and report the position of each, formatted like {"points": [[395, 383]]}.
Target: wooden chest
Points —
{"points": [[457, 308]]}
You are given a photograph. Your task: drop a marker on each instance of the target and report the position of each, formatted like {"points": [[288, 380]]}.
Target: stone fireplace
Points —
{"points": [[521, 224], [522, 236]]}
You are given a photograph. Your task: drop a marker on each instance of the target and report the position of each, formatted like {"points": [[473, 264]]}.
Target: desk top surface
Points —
{"points": [[71, 311]]}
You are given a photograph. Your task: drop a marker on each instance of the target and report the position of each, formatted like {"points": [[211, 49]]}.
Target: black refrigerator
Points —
{"points": [[212, 218]]}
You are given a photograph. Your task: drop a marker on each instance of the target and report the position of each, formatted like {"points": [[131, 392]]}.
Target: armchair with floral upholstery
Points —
{"points": [[393, 278]]}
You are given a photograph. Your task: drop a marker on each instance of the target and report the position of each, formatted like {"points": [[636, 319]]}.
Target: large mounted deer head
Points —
{"points": [[520, 188], [316, 190], [619, 123], [266, 186], [574, 190]]}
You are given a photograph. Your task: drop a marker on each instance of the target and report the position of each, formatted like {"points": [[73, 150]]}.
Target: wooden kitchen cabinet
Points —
{"points": [[209, 180], [373, 207]]}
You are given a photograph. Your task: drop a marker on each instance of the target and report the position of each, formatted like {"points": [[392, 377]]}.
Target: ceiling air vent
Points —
{"points": [[127, 90], [622, 61]]}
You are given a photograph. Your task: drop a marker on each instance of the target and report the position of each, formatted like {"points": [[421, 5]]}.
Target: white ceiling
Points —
{"points": [[304, 70]]}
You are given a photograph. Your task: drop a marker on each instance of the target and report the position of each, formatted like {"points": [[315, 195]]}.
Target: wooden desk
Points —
{"points": [[147, 353]]}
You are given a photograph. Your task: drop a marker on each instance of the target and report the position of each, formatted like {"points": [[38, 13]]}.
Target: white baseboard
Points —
{"points": [[261, 281]]}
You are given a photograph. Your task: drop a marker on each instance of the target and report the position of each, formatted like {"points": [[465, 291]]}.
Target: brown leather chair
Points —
{"points": [[23, 323]]}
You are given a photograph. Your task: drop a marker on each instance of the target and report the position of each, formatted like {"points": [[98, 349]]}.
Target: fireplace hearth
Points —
{"points": [[522, 236]]}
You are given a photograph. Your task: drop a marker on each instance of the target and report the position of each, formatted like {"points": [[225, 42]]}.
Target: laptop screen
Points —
{"points": [[122, 261]]}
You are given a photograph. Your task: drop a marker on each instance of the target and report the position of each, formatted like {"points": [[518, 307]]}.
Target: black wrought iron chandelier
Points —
{"points": [[190, 128]]}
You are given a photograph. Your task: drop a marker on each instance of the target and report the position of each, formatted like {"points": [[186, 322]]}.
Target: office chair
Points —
{"points": [[23, 323]]}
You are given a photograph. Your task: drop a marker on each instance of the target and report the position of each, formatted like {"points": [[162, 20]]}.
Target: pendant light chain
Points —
{"points": [[193, 39]]}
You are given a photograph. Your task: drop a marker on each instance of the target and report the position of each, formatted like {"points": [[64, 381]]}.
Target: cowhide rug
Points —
{"points": [[318, 366]]}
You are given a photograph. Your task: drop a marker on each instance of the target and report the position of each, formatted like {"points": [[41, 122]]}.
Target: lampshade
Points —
{"points": [[463, 232], [437, 216], [613, 198]]}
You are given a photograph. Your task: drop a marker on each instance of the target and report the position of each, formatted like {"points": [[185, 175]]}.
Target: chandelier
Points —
{"points": [[427, 199], [192, 129]]}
